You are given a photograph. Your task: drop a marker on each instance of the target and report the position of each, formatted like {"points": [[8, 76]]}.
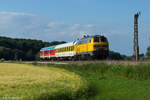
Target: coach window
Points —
{"points": [[52, 51], [71, 48], [65, 49]]}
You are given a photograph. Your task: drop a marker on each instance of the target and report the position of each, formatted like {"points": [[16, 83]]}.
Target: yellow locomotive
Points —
{"points": [[95, 47], [89, 47]]}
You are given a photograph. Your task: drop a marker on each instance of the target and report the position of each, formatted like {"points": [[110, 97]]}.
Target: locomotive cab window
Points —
{"points": [[100, 39], [103, 39], [96, 39]]}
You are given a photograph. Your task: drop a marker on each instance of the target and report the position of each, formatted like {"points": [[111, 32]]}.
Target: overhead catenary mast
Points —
{"points": [[136, 45]]}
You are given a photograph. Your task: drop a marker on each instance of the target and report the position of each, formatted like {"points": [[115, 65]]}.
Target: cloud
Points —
{"points": [[19, 24], [24, 25]]}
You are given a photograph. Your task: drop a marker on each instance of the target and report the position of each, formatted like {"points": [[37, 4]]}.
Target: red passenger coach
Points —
{"points": [[41, 53], [52, 52], [47, 52]]}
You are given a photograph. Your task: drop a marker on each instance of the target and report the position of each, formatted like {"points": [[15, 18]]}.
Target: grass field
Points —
{"points": [[114, 81], [28, 82], [99, 81]]}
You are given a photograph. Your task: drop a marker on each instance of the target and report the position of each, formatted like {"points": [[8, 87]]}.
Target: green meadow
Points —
{"points": [[97, 81], [114, 81]]}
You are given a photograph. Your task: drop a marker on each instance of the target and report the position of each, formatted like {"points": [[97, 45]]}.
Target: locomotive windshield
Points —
{"points": [[100, 39]]}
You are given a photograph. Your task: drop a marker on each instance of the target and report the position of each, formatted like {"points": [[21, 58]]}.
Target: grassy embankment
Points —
{"points": [[115, 81], [27, 82]]}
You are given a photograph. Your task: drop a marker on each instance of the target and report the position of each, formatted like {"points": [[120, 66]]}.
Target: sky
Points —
{"points": [[67, 20]]}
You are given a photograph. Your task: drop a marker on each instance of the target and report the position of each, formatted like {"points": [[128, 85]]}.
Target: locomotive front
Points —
{"points": [[100, 47]]}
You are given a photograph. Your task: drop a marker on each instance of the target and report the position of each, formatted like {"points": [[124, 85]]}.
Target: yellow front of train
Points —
{"points": [[96, 47], [100, 47]]}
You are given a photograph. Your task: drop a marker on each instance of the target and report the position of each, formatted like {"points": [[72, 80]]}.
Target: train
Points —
{"points": [[86, 48]]}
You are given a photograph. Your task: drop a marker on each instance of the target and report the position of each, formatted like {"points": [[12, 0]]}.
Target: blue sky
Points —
{"points": [[68, 20]]}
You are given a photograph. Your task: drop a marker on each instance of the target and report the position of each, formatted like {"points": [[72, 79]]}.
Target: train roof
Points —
{"points": [[48, 48], [65, 45], [92, 36]]}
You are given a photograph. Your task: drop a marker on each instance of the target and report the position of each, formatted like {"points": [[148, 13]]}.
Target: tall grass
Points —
{"points": [[137, 72], [113, 81], [28, 82]]}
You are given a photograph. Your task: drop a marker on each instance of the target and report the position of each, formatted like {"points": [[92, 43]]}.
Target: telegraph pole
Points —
{"points": [[136, 45]]}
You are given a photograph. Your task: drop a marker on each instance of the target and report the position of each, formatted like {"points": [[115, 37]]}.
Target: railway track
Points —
{"points": [[95, 61], [85, 62]]}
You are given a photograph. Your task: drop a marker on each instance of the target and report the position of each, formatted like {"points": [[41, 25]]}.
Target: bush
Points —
{"points": [[2, 60]]}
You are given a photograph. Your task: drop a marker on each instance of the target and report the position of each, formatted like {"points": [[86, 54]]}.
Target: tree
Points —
{"points": [[25, 49], [116, 56], [148, 52]]}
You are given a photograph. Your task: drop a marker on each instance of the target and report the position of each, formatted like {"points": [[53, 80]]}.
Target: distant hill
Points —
{"points": [[22, 49]]}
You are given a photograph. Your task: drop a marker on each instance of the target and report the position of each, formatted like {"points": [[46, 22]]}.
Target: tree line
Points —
{"points": [[22, 49]]}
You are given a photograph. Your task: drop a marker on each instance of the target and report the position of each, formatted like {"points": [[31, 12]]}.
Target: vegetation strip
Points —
{"points": [[113, 81]]}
